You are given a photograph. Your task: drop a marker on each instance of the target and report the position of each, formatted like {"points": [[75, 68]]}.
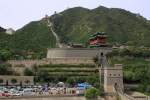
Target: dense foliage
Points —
{"points": [[6, 69], [92, 94], [134, 52], [28, 72], [5, 55]]}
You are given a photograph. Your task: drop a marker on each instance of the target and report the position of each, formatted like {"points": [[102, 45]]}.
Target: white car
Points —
{"points": [[28, 92], [15, 94]]}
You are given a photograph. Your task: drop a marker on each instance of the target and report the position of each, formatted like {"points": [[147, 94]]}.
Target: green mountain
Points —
{"points": [[122, 26], [76, 25]]}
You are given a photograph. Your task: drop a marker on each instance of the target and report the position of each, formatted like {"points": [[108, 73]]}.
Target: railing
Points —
{"points": [[123, 95], [129, 97]]}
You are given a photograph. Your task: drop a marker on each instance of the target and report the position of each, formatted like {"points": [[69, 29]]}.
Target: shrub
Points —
{"points": [[70, 81], [92, 93], [92, 79], [6, 69], [28, 72], [43, 76]]}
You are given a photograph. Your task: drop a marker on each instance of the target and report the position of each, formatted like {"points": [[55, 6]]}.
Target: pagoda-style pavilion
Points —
{"points": [[98, 40]]}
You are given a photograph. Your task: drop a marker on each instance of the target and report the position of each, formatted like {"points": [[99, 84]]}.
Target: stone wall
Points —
{"points": [[76, 52], [20, 80], [30, 63], [19, 65], [71, 56], [64, 56], [26, 63]]}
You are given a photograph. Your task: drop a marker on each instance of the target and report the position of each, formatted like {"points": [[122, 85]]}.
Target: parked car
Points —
{"points": [[17, 93], [6, 94], [28, 92], [1, 93]]}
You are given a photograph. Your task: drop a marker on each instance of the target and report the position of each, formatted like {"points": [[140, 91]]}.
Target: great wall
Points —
{"points": [[64, 56]]}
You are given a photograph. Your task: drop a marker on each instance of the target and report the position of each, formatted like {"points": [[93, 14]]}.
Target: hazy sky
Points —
{"points": [[17, 13]]}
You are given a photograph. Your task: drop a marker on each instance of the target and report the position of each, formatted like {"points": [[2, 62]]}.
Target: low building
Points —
{"points": [[16, 80]]}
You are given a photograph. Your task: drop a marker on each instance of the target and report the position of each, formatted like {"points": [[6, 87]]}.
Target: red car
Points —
{"points": [[6, 94], [0, 94]]}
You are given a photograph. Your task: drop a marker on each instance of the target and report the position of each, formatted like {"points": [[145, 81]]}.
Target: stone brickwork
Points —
{"points": [[30, 63], [70, 56], [113, 77], [26, 63], [19, 65], [79, 53], [17, 80]]}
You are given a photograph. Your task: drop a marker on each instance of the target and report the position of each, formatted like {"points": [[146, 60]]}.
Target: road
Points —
{"points": [[51, 98]]}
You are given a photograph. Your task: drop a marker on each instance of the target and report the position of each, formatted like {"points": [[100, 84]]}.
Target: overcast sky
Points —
{"points": [[17, 13]]}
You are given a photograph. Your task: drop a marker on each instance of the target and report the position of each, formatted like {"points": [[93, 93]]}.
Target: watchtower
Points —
{"points": [[113, 79]]}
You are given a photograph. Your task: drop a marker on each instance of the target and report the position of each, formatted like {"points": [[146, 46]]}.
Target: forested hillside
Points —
{"points": [[122, 26], [76, 25]]}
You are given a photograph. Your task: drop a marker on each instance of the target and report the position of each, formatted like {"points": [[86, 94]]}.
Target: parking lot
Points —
{"points": [[41, 90], [36, 91]]}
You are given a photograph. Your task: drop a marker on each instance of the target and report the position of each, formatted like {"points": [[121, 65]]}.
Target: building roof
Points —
{"points": [[98, 33]]}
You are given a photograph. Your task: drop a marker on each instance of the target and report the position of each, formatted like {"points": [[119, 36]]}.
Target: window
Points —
{"points": [[13, 81]]}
